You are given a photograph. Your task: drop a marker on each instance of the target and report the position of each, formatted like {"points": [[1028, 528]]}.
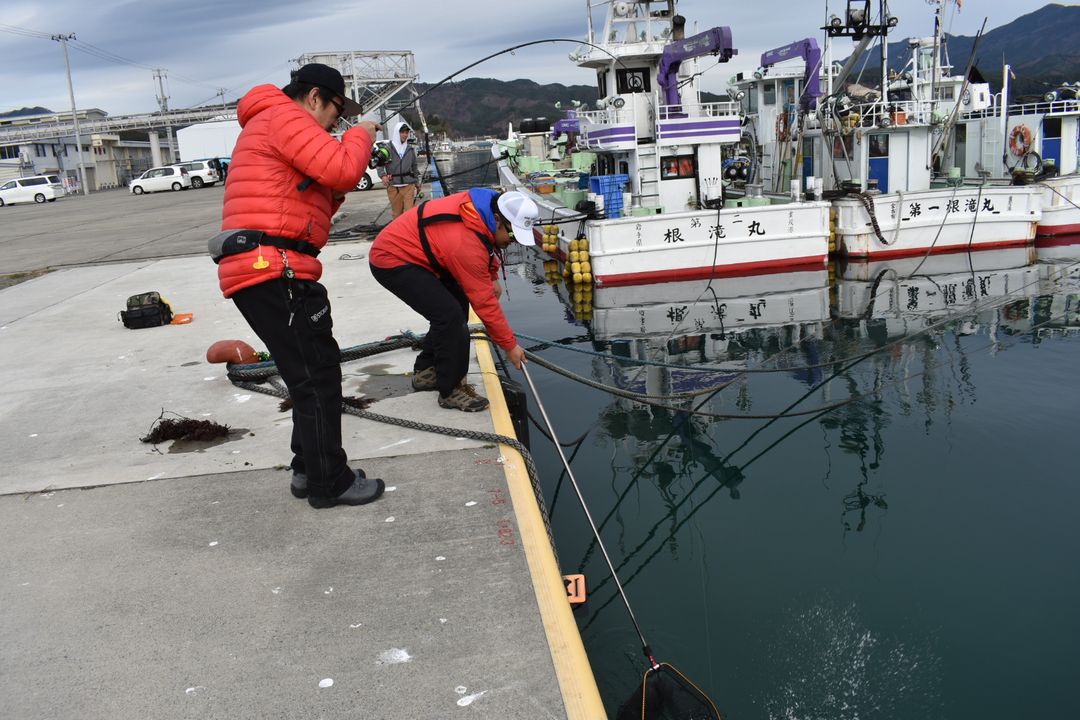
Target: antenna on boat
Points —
{"points": [[663, 688]]}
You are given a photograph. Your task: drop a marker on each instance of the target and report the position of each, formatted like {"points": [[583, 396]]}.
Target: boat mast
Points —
{"points": [[884, 55], [588, 14], [938, 30]]}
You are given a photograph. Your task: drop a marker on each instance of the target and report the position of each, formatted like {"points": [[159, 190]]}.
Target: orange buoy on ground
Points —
{"points": [[232, 351]]}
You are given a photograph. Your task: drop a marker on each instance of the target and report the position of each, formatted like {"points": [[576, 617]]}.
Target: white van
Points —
{"points": [[37, 188], [161, 178], [202, 172]]}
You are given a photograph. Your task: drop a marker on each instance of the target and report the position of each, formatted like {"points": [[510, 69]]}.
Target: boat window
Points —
{"points": [[601, 83], [808, 147], [632, 80], [752, 99], [770, 93], [879, 145], [1052, 127], [678, 166], [843, 147]]}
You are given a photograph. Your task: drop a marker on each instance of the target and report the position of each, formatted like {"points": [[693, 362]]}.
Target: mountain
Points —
{"points": [[1043, 48], [26, 111], [483, 107]]}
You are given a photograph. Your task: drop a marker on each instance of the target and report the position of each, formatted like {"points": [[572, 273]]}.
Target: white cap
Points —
{"points": [[522, 214]]}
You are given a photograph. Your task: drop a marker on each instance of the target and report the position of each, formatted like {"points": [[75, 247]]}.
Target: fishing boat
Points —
{"points": [[640, 178], [1034, 141], [882, 155], [443, 150]]}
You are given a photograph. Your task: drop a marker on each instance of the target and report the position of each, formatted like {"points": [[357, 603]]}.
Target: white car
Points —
{"points": [[368, 180], [37, 188], [161, 178], [202, 172]]}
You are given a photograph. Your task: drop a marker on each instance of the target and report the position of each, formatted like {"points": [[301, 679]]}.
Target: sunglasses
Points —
{"points": [[339, 106]]}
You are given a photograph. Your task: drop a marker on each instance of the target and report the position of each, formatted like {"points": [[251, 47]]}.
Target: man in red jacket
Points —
{"points": [[287, 178], [442, 256]]}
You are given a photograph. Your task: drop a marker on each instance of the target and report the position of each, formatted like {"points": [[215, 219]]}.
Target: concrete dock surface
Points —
{"points": [[183, 580]]}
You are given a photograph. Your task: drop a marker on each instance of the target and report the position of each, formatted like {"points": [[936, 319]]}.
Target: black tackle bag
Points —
{"points": [[146, 310]]}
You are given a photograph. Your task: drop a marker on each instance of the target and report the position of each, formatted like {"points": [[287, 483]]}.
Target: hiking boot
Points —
{"points": [[464, 398], [298, 486], [423, 380], [361, 492]]}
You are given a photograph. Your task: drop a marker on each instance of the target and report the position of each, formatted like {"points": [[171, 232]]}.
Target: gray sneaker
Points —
{"points": [[464, 398], [299, 488], [361, 492], [424, 380]]}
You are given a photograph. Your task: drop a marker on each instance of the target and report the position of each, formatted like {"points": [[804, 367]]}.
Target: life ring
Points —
{"points": [[1020, 141]]}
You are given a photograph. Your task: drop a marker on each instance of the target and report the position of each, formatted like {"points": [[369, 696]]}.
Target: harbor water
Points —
{"points": [[900, 542]]}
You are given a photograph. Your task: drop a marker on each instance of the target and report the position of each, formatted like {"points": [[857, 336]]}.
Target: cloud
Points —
{"points": [[235, 44]]}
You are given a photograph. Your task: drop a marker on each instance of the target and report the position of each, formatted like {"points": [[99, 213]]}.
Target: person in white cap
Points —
{"points": [[442, 256]]}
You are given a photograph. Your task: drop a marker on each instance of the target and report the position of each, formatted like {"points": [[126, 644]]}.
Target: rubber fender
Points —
{"points": [[233, 351]]}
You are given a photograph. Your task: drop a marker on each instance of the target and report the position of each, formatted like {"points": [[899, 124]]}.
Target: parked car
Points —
{"points": [[37, 188], [202, 172], [161, 178], [368, 180]]}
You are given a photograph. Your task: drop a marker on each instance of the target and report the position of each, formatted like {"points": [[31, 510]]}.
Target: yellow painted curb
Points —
{"points": [[580, 695]]}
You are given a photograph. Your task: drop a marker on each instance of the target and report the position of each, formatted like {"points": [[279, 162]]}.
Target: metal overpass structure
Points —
{"points": [[371, 77], [64, 127]]}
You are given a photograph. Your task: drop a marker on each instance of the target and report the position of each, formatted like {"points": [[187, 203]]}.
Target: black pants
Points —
{"points": [[309, 361], [446, 308]]}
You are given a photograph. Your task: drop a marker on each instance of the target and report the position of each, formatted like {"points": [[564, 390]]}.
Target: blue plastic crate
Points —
{"points": [[603, 184], [611, 188]]}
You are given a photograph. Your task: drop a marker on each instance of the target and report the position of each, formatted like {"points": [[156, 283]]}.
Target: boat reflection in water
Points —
{"points": [[784, 560]]}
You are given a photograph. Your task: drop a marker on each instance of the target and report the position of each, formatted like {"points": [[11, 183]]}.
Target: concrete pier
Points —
{"points": [[183, 580]]}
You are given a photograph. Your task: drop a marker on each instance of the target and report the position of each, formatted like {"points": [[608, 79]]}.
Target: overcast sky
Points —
{"points": [[209, 44]]}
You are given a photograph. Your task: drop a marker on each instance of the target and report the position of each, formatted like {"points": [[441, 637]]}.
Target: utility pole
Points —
{"points": [[163, 102], [63, 40]]}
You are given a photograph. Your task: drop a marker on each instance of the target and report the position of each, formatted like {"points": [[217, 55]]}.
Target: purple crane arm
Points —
{"points": [[714, 41], [809, 51]]}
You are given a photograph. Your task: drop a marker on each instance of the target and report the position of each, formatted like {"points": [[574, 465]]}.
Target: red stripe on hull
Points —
{"points": [[1052, 230], [764, 267], [946, 250]]}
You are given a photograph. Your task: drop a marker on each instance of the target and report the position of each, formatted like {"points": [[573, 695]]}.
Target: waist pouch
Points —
{"points": [[233, 242], [146, 310]]}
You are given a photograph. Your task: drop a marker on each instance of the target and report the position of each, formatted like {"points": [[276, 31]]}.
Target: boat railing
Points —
{"points": [[1063, 106], [608, 116], [697, 110], [892, 112]]}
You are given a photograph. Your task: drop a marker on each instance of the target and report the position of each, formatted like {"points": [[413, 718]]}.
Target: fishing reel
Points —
{"points": [[380, 155]]}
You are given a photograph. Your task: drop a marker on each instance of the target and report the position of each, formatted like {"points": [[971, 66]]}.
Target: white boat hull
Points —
{"points": [[698, 244], [1060, 206], [945, 220]]}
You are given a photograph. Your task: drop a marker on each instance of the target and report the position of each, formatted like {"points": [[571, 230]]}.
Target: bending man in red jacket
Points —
{"points": [[441, 256], [287, 178]]}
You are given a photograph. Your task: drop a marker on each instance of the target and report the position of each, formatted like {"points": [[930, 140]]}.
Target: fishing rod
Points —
{"points": [[671, 691], [307, 182]]}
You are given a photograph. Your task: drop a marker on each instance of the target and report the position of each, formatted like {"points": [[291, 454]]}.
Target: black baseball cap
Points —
{"points": [[330, 79]]}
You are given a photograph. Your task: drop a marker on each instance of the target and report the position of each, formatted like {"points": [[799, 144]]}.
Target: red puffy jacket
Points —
{"points": [[457, 248], [281, 144]]}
